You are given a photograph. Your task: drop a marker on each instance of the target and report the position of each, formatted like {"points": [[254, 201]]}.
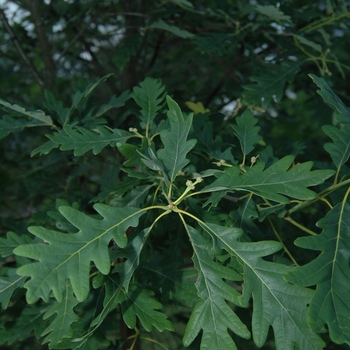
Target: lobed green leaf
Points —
{"points": [[276, 303], [212, 313], [82, 140], [340, 148], [330, 273], [68, 256], [269, 84], [332, 100], [274, 183], [247, 132], [150, 97], [176, 145], [60, 327]]}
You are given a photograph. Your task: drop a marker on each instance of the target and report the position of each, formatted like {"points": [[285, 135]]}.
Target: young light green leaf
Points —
{"points": [[247, 132], [176, 145], [332, 100], [274, 183], [340, 148], [330, 273], [9, 282], [150, 97], [211, 313], [60, 327], [273, 13], [37, 115], [160, 24], [269, 84], [276, 302], [82, 140], [68, 256]]}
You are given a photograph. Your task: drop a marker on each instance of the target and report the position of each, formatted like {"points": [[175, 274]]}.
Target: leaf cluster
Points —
{"points": [[203, 205]]}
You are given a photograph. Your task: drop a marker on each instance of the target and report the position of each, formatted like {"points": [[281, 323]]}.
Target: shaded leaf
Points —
{"points": [[167, 272], [134, 198], [160, 24], [60, 327], [332, 100], [9, 125], [244, 218], [246, 131], [203, 132], [12, 240], [155, 164], [275, 182], [330, 273], [127, 47], [139, 302], [270, 84], [340, 148], [114, 102], [216, 43], [28, 321], [68, 256], [8, 284], [272, 12], [45, 148], [132, 252], [307, 42], [182, 3]]}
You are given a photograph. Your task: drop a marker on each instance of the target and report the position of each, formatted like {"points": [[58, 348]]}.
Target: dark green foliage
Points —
{"points": [[197, 197]]}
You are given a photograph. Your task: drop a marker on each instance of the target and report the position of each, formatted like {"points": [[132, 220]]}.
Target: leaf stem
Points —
{"points": [[190, 186], [154, 341], [280, 239], [301, 227], [322, 22]]}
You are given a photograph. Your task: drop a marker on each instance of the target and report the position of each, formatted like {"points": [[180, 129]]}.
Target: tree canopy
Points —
{"points": [[227, 119]]}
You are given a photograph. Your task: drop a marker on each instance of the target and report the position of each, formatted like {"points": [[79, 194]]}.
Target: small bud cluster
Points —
{"points": [[220, 163]]}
